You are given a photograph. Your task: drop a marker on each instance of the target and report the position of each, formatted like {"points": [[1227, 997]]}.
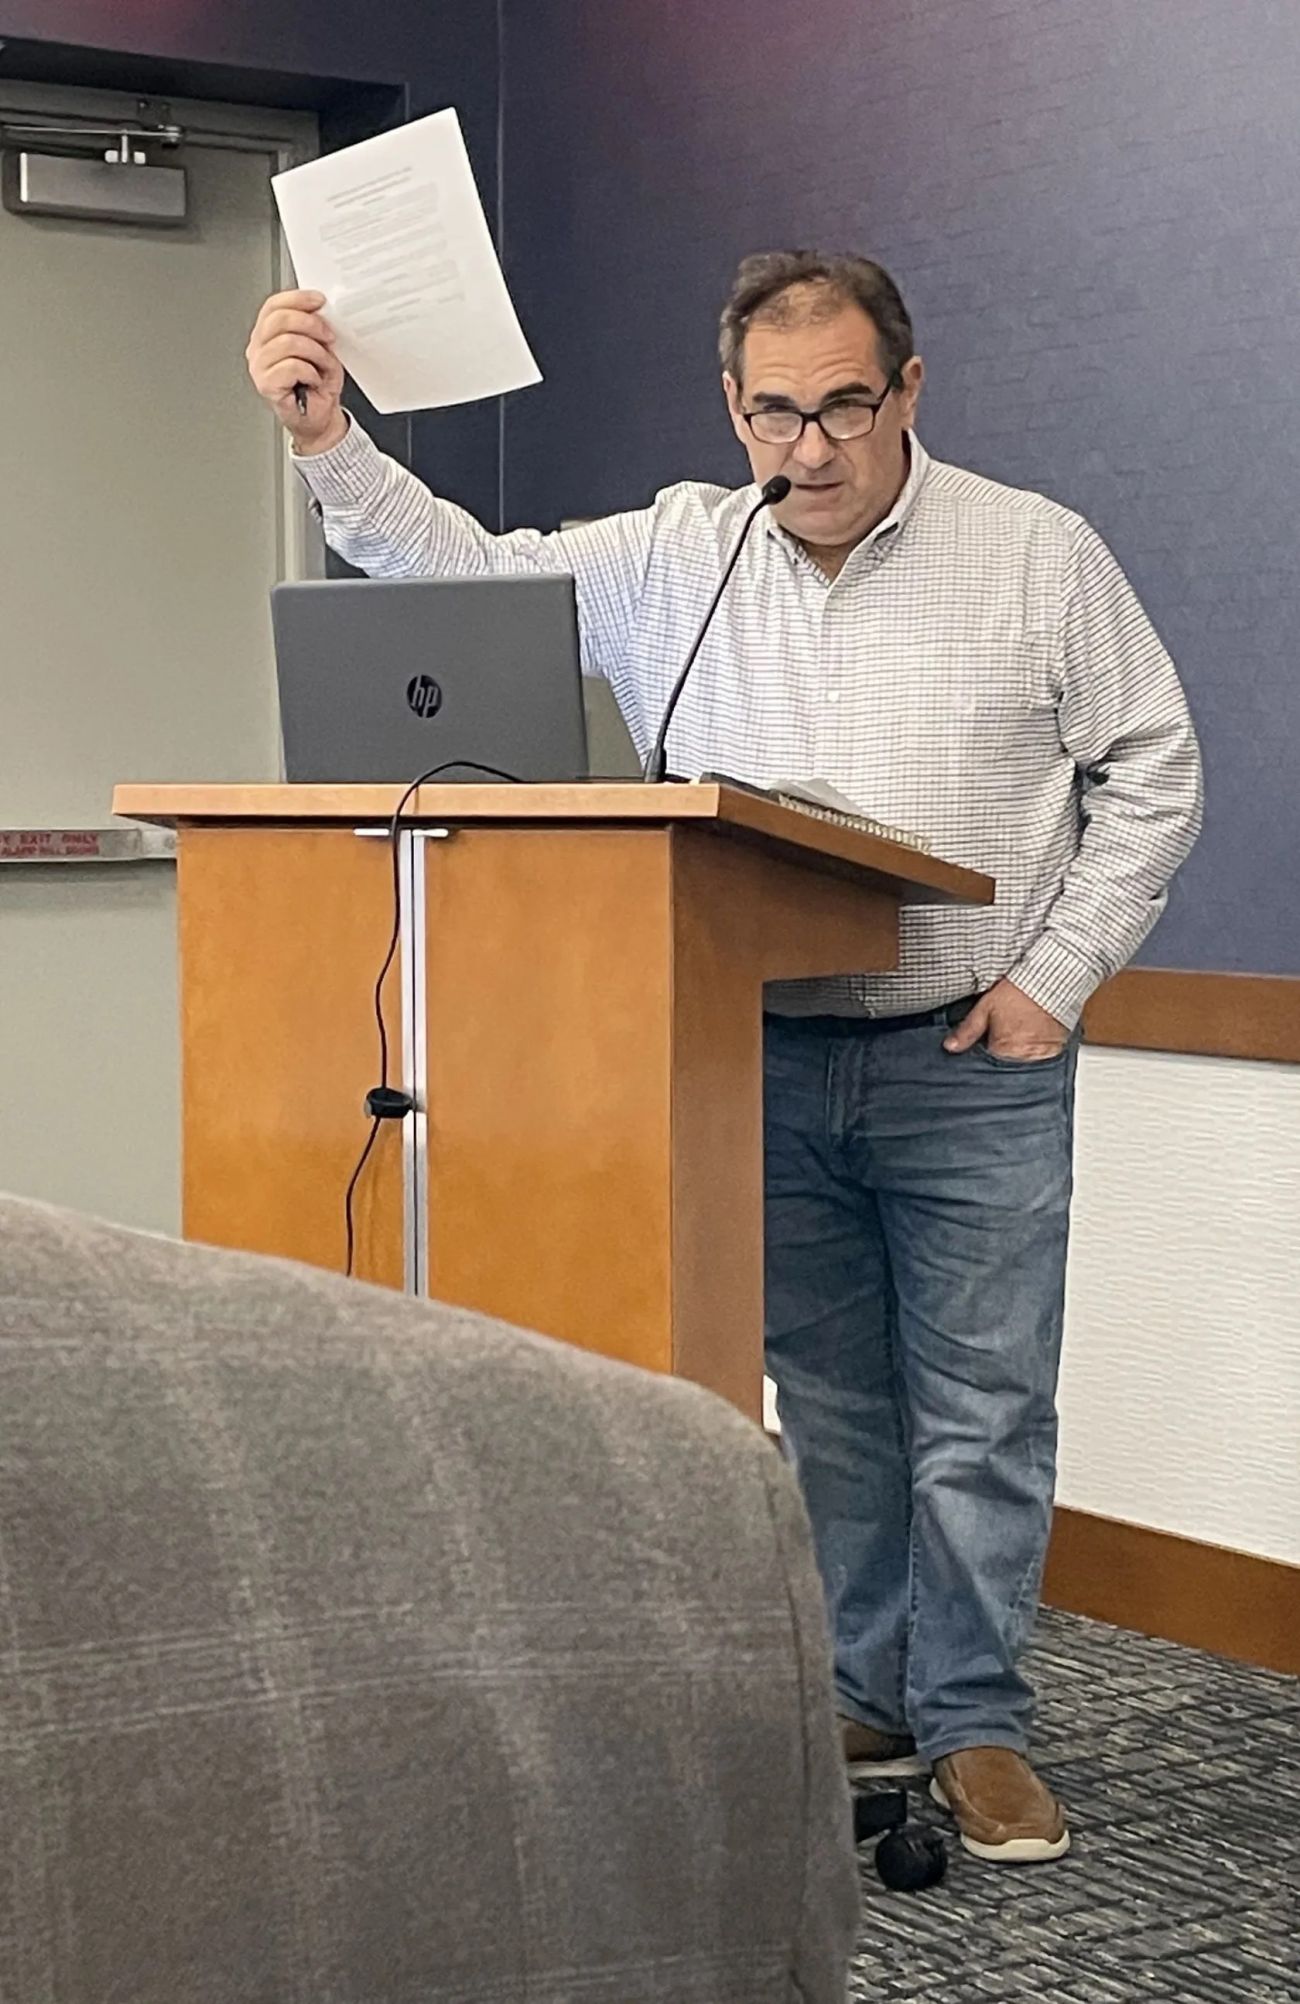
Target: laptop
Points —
{"points": [[382, 679]]}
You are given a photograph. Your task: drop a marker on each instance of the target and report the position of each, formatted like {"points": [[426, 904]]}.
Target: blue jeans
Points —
{"points": [[917, 1215]]}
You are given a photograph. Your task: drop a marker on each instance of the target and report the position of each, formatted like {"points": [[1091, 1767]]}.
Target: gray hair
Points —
{"points": [[760, 289]]}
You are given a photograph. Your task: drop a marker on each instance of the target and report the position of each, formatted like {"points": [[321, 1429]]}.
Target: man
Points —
{"points": [[968, 662], [359, 1648]]}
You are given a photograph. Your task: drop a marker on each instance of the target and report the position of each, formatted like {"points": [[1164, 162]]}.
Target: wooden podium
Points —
{"points": [[576, 1008]]}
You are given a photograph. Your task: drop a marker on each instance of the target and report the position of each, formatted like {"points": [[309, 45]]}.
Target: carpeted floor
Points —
{"points": [[1182, 1776]]}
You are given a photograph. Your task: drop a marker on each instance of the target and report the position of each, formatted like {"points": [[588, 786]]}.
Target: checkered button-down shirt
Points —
{"points": [[980, 673]]}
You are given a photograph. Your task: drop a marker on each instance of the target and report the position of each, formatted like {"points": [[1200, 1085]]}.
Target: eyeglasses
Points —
{"points": [[841, 419]]}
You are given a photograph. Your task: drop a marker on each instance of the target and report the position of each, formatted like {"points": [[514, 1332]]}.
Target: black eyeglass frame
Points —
{"points": [[815, 417]]}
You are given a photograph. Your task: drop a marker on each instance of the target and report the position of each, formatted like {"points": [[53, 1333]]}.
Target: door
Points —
{"points": [[145, 512]]}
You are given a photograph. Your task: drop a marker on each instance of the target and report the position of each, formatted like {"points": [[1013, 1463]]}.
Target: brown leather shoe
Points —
{"points": [[868, 1751], [1003, 1811]]}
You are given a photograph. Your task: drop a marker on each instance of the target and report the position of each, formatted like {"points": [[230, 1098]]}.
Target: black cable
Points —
{"points": [[385, 1102], [375, 1126]]}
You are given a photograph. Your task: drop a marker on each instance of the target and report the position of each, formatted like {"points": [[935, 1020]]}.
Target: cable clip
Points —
{"points": [[387, 1103]]}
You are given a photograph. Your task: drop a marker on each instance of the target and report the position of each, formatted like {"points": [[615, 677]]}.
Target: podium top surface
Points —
{"points": [[816, 842]]}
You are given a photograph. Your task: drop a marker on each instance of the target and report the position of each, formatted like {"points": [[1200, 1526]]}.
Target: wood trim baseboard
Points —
{"points": [[1155, 1583], [1230, 1603], [1205, 1015]]}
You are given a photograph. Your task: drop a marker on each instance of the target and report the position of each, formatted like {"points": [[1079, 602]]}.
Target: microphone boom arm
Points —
{"points": [[652, 772]]}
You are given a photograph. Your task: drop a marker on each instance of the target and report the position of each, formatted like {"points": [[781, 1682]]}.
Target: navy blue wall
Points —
{"points": [[1093, 207], [333, 55]]}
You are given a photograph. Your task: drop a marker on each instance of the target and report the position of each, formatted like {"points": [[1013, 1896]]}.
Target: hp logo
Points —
{"points": [[424, 695]]}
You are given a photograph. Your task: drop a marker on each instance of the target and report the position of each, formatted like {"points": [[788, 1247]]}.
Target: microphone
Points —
{"points": [[775, 490]]}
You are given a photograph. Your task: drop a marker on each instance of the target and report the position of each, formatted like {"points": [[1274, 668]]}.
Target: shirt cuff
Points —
{"points": [[1056, 978], [344, 474]]}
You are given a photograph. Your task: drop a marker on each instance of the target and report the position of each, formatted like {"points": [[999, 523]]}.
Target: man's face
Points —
{"points": [[839, 491]]}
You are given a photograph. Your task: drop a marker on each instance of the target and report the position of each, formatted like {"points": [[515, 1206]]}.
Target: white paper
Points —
{"points": [[393, 233], [821, 794]]}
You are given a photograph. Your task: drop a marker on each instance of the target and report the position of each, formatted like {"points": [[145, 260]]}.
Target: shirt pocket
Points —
{"points": [[1004, 673]]}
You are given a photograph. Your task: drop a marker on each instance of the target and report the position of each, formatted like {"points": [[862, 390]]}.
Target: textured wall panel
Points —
{"points": [[1180, 1395]]}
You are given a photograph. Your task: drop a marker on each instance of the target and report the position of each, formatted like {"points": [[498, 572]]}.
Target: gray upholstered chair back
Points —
{"points": [[358, 1652]]}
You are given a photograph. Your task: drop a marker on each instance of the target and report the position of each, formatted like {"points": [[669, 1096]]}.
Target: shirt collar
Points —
{"points": [[917, 472]]}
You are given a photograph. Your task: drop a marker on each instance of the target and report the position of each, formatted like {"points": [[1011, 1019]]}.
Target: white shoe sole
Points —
{"points": [[1019, 1851], [909, 1768]]}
